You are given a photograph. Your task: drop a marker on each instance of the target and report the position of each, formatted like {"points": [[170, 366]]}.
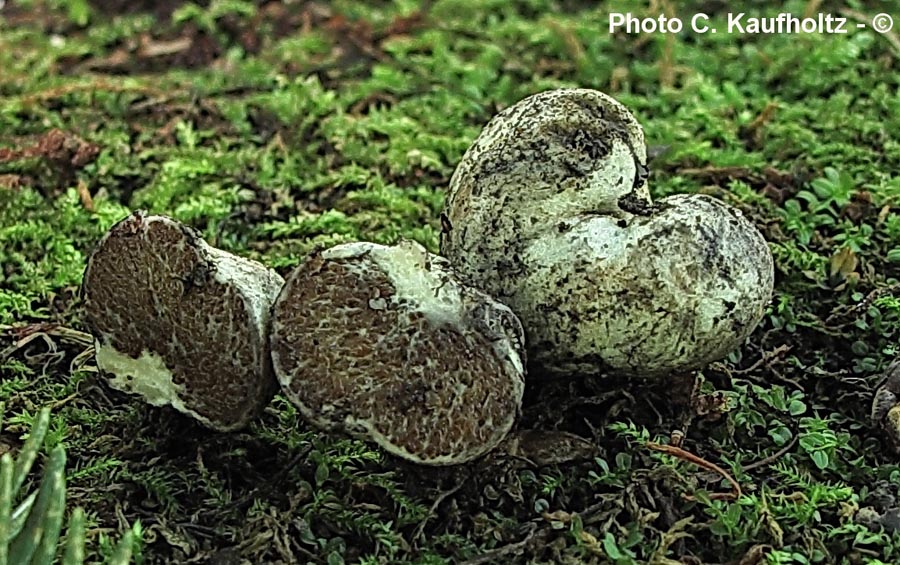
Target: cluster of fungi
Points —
{"points": [[553, 258]]}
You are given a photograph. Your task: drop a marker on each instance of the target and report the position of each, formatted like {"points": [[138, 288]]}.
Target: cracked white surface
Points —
{"points": [[550, 213]]}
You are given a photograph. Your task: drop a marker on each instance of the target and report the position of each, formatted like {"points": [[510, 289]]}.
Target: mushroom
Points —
{"points": [[384, 344], [179, 322], [550, 213], [886, 406]]}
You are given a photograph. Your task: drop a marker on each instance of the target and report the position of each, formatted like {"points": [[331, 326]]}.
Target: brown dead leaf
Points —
{"points": [[843, 267], [549, 447], [756, 555], [11, 182], [709, 405], [591, 542], [405, 25], [861, 205], [56, 146], [84, 194], [558, 516], [668, 538]]}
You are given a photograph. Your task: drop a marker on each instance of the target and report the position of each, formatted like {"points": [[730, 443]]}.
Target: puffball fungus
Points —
{"points": [[886, 406], [549, 212], [180, 322], [384, 344]]}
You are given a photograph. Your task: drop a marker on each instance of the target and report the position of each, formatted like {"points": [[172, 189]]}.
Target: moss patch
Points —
{"points": [[277, 128]]}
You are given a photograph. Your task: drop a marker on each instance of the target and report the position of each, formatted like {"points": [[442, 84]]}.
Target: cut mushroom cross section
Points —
{"points": [[384, 344], [179, 322]]}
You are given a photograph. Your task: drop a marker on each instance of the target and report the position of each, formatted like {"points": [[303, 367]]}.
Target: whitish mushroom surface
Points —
{"points": [[667, 293], [384, 344], [180, 322], [549, 212], [551, 156]]}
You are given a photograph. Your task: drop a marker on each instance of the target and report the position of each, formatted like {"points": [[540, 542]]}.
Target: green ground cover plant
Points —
{"points": [[278, 127]]}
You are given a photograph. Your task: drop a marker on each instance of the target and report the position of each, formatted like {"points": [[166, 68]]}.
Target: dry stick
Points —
{"points": [[58, 92], [849, 315], [84, 194], [700, 462], [432, 512], [764, 116], [766, 357], [771, 458], [493, 555]]}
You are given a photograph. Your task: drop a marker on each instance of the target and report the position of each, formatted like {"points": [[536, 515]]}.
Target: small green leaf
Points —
{"points": [[894, 255], [780, 435], [610, 547], [820, 458], [796, 407], [623, 461], [718, 528], [321, 473]]}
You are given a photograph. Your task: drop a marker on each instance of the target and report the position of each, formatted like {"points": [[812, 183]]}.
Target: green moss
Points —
{"points": [[303, 130]]}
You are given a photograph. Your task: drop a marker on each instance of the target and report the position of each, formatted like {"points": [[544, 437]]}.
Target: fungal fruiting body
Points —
{"points": [[180, 322], [550, 213], [552, 156], [655, 297], [886, 406], [384, 344]]}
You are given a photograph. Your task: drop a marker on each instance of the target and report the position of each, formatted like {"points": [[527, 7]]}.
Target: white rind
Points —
{"points": [[408, 266], [598, 191], [146, 376], [564, 240], [528, 188], [692, 308], [258, 285]]}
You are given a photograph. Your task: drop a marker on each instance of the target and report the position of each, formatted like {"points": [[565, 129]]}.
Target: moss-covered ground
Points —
{"points": [[280, 126]]}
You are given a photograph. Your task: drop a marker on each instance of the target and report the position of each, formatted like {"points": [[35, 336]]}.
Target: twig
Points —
{"points": [[764, 116], [700, 462], [84, 194], [64, 401], [494, 554], [90, 87], [771, 458], [437, 502], [766, 357], [849, 315]]}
